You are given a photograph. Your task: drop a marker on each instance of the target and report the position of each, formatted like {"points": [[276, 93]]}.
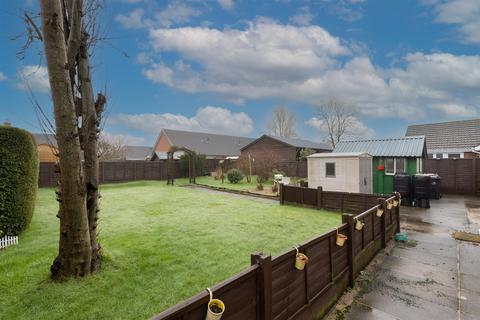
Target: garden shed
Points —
{"points": [[346, 171], [390, 156]]}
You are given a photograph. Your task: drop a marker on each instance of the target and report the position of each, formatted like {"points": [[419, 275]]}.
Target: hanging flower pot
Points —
{"points": [[340, 239], [381, 167], [215, 308], [395, 203], [389, 205], [300, 260], [379, 212], [359, 225]]}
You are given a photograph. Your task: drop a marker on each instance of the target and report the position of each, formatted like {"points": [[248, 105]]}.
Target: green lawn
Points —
{"points": [[210, 181], [162, 244]]}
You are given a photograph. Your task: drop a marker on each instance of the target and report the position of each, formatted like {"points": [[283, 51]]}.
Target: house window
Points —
{"points": [[389, 166], [454, 156], [431, 156], [330, 169]]}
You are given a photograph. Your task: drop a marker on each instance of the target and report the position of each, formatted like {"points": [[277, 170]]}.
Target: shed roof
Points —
{"points": [[413, 146], [340, 155], [453, 136], [208, 144], [294, 142]]}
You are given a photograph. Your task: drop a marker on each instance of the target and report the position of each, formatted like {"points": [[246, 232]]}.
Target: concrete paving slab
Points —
{"points": [[432, 277]]}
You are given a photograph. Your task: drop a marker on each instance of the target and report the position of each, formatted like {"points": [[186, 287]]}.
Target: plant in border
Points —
{"points": [[235, 175]]}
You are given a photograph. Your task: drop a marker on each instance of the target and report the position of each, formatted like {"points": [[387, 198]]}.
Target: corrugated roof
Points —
{"points": [[339, 155], [137, 152], [457, 135], [301, 143], [45, 138], [394, 147], [208, 144]]}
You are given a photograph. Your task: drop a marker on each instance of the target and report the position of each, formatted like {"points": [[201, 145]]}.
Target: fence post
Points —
{"points": [[381, 201], [281, 193], [341, 204], [348, 218], [264, 284], [397, 212], [302, 195], [319, 197]]}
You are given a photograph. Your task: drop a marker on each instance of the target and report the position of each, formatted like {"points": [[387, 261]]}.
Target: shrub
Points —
{"points": [[235, 175], [199, 160], [18, 179]]}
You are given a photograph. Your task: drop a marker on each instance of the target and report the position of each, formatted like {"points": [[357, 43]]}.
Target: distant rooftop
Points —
{"points": [[138, 152], [209, 144], [454, 136], [296, 142], [45, 138], [391, 147]]}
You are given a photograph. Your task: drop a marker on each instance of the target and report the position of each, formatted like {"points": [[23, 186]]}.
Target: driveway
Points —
{"points": [[433, 276]]}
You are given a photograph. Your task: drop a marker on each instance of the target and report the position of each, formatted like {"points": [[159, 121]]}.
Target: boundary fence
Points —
{"points": [[459, 176], [7, 241], [273, 289]]}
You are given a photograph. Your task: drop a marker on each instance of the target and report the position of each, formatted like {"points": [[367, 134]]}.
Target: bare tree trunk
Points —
{"points": [[75, 255], [91, 114]]}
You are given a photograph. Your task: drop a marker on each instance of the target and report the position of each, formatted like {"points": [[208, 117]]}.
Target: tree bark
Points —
{"points": [[75, 255], [91, 113]]}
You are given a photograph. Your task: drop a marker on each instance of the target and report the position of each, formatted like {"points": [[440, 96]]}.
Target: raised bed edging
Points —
{"points": [[245, 193]]}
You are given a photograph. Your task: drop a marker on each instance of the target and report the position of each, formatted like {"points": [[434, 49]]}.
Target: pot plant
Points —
{"points": [[300, 260], [215, 308], [379, 212]]}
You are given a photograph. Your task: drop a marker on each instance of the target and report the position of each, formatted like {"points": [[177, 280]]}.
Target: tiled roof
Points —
{"points": [[138, 152], [207, 143], [392, 147], [454, 135], [301, 143]]}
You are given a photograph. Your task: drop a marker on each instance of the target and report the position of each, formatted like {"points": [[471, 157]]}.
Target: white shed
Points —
{"points": [[347, 172]]}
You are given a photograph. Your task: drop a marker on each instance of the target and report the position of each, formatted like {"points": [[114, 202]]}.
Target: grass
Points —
{"points": [[242, 185], [162, 245]]}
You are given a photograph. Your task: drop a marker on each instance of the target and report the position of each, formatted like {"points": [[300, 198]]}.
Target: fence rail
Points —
{"points": [[344, 202], [273, 289], [8, 241]]}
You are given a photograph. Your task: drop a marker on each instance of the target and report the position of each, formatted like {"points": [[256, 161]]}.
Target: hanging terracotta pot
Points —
{"points": [[389, 205], [395, 203], [300, 260], [379, 212], [340, 239], [359, 225], [215, 308]]}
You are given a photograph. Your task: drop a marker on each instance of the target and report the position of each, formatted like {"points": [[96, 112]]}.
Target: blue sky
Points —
{"points": [[222, 66]]}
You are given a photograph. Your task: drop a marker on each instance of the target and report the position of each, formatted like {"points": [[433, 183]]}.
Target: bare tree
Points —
{"points": [[67, 33], [336, 118], [111, 149], [283, 123]]}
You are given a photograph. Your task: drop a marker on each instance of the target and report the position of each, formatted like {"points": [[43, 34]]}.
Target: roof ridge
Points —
{"points": [[443, 122]]}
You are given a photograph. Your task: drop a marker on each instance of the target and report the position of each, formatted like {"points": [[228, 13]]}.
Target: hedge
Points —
{"points": [[18, 179]]}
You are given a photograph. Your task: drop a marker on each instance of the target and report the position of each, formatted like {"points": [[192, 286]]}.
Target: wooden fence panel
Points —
{"points": [[117, 171], [459, 176]]}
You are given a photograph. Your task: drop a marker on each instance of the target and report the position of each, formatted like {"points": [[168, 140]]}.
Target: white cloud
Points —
{"points": [[227, 4], [2, 76], [457, 110], [308, 65], [133, 20], [207, 119], [175, 13], [357, 129], [34, 78], [124, 139], [464, 13], [348, 10], [303, 17]]}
